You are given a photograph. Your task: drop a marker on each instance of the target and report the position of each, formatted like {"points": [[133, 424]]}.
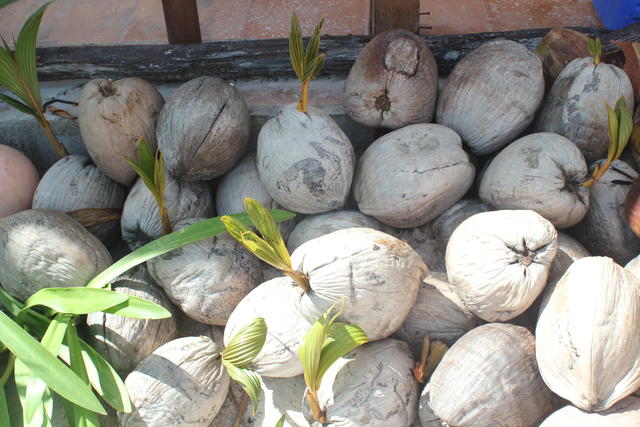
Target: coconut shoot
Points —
{"points": [[151, 170], [270, 247], [620, 129], [242, 349], [18, 75], [326, 342], [431, 354], [306, 63], [595, 49]]}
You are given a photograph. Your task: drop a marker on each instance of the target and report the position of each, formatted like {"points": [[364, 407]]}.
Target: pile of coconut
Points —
{"points": [[484, 245]]}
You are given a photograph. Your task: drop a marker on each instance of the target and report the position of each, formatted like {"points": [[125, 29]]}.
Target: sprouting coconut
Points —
{"points": [[114, 116], [304, 159], [393, 82]]}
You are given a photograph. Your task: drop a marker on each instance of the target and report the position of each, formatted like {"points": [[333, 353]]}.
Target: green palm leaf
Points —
{"points": [[245, 345], [248, 380]]}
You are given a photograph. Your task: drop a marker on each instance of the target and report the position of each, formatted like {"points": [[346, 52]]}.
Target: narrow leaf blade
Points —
{"points": [[309, 353], [613, 132], [248, 380], [82, 416], [295, 47], [51, 370], [76, 300], [23, 108], [313, 47], [4, 409], [344, 338], [245, 345], [268, 228], [139, 308]]}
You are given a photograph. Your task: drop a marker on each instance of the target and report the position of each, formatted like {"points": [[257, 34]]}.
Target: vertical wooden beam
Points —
{"points": [[390, 14], [181, 20]]}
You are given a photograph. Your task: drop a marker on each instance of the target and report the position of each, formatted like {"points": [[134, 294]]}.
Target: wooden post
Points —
{"points": [[390, 14], [181, 20]]}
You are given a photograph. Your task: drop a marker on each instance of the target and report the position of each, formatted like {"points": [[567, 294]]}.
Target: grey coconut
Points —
{"points": [[74, 183], [542, 172], [114, 115], [125, 341], [574, 107], [393, 82], [203, 130], [488, 377], [141, 222], [42, 248], [411, 175], [208, 278], [492, 95], [305, 161], [181, 383]]}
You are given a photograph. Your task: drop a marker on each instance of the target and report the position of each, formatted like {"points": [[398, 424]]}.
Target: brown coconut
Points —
{"points": [[604, 230], [411, 175], [498, 262], [203, 130], [41, 249], [542, 172], [74, 185], [114, 115], [125, 341], [492, 95], [575, 105], [208, 278], [305, 160], [181, 383], [141, 221], [393, 82], [18, 181], [587, 346], [488, 377]]}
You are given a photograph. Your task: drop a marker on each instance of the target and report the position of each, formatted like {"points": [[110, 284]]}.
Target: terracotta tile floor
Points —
{"points": [[73, 22]]}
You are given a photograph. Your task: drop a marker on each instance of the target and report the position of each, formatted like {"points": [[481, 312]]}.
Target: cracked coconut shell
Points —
{"points": [[587, 345], [408, 177], [492, 95], [498, 262], [393, 82], [41, 249], [182, 383], [113, 116], [305, 160], [542, 172], [575, 105], [203, 130], [208, 278], [125, 341], [488, 377]]}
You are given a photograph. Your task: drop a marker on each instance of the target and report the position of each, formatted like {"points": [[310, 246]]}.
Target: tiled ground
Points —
{"points": [[72, 22]]}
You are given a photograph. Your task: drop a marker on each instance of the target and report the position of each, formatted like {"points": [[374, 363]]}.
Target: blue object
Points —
{"points": [[616, 14]]}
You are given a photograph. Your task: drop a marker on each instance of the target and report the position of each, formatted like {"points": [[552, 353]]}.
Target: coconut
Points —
{"points": [[624, 413], [376, 275], [411, 175], [241, 182], [492, 95], [634, 266], [141, 221], [305, 160], [319, 225], [203, 130], [277, 302], [18, 181], [181, 383], [488, 377], [208, 278], [575, 105], [125, 341], [423, 241], [114, 115], [393, 82], [498, 262], [434, 316], [604, 229], [372, 385], [74, 185], [542, 172], [41, 249], [444, 226], [587, 347]]}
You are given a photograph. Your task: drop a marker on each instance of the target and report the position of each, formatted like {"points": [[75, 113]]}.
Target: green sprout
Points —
{"points": [[595, 49], [151, 169], [18, 74], [324, 344], [306, 64], [620, 129]]}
